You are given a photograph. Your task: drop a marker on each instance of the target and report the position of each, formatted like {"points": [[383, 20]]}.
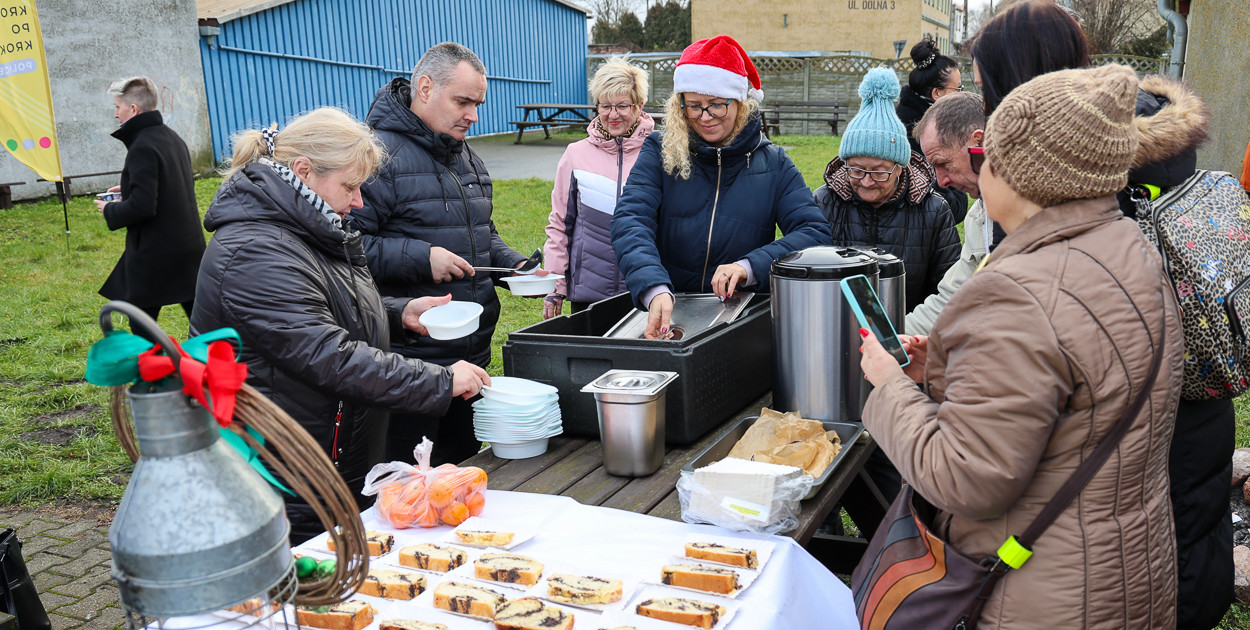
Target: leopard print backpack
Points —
{"points": [[1202, 230]]}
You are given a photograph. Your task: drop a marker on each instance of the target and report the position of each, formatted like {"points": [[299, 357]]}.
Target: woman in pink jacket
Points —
{"points": [[589, 179]]}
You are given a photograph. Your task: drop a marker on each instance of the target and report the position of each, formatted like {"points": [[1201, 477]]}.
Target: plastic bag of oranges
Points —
{"points": [[420, 496]]}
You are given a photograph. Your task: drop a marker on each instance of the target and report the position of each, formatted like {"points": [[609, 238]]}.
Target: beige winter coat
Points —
{"points": [[1029, 366]]}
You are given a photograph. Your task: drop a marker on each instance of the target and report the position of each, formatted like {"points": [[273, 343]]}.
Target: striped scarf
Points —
{"points": [[304, 191]]}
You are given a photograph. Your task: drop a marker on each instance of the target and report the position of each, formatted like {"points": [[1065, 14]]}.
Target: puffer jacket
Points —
{"points": [[916, 225], [1171, 122], [1028, 368], [433, 192], [910, 109], [313, 326], [589, 180], [675, 232]]}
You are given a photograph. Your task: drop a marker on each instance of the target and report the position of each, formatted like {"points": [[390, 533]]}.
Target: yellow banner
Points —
{"points": [[27, 127]]}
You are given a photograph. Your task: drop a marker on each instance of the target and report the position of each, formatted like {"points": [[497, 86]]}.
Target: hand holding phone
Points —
{"points": [[871, 315]]}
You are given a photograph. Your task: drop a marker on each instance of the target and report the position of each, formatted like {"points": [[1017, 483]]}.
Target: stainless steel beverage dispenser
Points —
{"points": [[815, 334]]}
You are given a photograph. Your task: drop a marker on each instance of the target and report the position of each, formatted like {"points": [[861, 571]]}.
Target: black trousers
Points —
{"points": [[1200, 467], [452, 434], [155, 311]]}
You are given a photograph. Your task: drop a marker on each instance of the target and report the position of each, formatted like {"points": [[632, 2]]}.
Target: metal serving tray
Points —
{"points": [[718, 450], [692, 313]]}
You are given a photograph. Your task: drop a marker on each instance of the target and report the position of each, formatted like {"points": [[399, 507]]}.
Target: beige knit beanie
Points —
{"points": [[1066, 135]]}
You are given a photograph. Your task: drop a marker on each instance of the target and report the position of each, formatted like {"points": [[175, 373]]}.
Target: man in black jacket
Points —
{"points": [[427, 222], [164, 241]]}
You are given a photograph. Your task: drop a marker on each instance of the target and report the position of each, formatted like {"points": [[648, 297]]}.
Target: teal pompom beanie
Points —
{"points": [[876, 130]]}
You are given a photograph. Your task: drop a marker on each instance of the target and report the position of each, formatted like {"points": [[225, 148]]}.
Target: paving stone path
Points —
{"points": [[69, 561]]}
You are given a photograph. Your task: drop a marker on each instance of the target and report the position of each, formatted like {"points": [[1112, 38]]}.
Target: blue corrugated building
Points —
{"points": [[267, 60]]}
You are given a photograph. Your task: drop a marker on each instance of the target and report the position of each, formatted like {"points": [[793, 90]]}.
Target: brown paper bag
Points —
{"points": [[788, 439]]}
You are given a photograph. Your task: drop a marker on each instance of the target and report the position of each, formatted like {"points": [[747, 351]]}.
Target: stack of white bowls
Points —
{"points": [[517, 416]]}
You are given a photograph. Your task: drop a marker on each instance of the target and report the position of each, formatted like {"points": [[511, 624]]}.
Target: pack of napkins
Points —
{"points": [[744, 495]]}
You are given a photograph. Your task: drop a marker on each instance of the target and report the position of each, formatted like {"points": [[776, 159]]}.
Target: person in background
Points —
{"points": [[164, 240], [946, 133], [705, 198], [1172, 122], [427, 222], [589, 180], [286, 270], [1035, 359], [878, 192], [934, 76]]}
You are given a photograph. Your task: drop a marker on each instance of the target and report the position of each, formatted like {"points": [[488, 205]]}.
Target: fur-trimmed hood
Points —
{"points": [[1171, 122]]}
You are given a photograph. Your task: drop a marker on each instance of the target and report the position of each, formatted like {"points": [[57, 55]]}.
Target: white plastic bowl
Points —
{"points": [[520, 450], [530, 286], [520, 392], [452, 320]]}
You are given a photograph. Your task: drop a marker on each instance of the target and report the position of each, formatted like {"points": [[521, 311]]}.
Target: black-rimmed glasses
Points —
{"points": [[876, 176], [976, 157], [621, 110], [715, 110]]}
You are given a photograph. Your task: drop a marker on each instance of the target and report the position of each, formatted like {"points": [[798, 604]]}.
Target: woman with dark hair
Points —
{"points": [[1029, 39], [935, 75]]}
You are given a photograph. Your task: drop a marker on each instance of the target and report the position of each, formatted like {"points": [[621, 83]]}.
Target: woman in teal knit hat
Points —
{"points": [[878, 192]]}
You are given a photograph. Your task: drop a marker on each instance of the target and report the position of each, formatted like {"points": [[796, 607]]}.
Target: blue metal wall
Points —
{"points": [[269, 66]]}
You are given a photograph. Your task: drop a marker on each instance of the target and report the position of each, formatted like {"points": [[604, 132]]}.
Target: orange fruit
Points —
{"points": [[426, 515], [440, 493], [455, 513], [475, 502], [391, 505]]}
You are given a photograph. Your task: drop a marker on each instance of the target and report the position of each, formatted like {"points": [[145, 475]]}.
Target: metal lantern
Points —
{"points": [[198, 530]]}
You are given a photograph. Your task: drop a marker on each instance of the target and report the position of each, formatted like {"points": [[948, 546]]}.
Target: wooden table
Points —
{"points": [[548, 115], [573, 467]]}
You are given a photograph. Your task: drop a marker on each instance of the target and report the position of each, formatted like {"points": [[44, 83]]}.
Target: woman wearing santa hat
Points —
{"points": [[701, 208]]}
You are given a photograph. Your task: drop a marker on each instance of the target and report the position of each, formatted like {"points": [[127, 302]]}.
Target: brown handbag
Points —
{"points": [[910, 578]]}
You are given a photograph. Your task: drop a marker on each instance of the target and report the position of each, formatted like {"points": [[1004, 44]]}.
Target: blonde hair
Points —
{"points": [[618, 76], [329, 137], [675, 149], [139, 91]]}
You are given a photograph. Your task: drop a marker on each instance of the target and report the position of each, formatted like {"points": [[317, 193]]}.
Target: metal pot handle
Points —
{"points": [[142, 325]]}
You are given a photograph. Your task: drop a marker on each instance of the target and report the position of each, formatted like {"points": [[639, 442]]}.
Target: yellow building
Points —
{"points": [[868, 26]]}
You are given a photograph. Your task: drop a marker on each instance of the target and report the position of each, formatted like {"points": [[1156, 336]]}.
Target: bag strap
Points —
{"points": [[1088, 468], [7, 599]]}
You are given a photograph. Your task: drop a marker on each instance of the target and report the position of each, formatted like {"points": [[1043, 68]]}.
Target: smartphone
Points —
{"points": [[871, 315]]}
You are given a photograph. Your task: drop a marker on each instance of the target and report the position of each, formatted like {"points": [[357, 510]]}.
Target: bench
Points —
{"points": [[522, 125], [777, 112], [6, 194], [63, 193]]}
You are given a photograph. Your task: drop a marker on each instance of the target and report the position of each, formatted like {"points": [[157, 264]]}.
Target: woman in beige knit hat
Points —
{"points": [[1036, 358]]}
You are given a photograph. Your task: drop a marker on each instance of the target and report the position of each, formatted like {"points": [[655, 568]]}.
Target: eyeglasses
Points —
{"points": [[715, 110], [621, 110], [976, 156], [957, 88], [877, 176]]}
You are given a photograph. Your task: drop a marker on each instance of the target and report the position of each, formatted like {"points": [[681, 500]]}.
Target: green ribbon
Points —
{"points": [[114, 360]]}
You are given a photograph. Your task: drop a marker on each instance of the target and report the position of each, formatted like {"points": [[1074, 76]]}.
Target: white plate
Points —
{"points": [[451, 320], [518, 391], [533, 285], [628, 587], [468, 573], [745, 576], [763, 549], [520, 534], [392, 558], [628, 617]]}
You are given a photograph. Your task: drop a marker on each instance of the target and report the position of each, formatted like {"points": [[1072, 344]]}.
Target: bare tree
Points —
{"points": [[1108, 23], [610, 11]]}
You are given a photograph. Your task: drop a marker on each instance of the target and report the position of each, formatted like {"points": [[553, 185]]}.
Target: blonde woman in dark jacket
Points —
{"points": [[287, 271]]}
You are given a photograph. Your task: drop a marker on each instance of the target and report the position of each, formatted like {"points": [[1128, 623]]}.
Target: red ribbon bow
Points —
{"points": [[222, 376]]}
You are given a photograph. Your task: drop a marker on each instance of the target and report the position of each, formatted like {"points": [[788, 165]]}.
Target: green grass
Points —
{"points": [[50, 313]]}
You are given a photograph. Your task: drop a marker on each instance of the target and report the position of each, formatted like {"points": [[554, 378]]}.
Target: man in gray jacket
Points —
{"points": [[952, 125], [427, 222]]}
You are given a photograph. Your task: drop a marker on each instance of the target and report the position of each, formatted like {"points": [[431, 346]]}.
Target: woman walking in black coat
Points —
{"points": [[286, 270]]}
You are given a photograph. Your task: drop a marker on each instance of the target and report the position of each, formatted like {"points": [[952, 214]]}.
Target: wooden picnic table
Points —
{"points": [[573, 467], [547, 115]]}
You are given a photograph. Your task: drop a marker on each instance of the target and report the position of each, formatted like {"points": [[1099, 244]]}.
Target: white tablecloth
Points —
{"points": [[794, 590]]}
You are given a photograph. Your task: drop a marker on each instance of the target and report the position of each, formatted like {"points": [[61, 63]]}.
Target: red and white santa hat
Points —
{"points": [[717, 67]]}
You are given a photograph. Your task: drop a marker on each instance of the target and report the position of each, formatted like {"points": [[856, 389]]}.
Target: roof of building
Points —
{"points": [[221, 11]]}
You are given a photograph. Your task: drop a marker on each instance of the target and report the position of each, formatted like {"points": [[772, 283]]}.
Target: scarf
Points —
{"points": [[304, 191], [628, 132]]}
